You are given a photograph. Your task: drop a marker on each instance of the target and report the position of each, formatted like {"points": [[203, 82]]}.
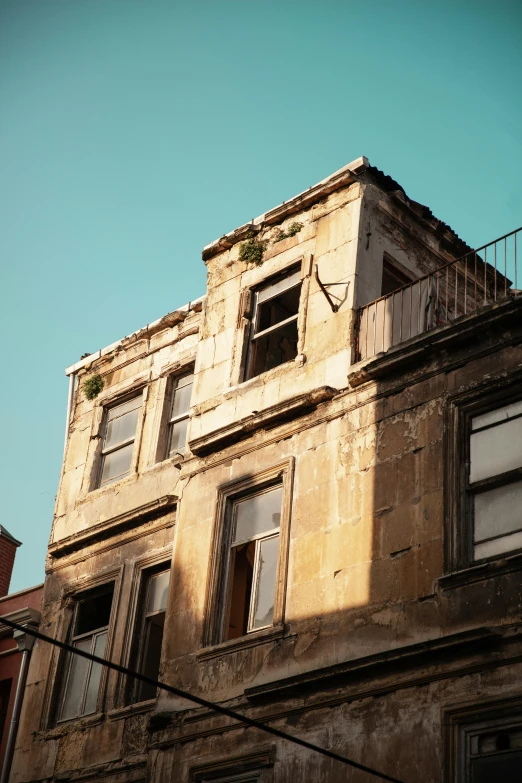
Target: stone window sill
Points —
{"points": [[254, 639], [481, 571], [131, 709], [74, 724]]}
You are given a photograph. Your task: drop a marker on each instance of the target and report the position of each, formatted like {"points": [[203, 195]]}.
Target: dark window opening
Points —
{"points": [[81, 682], [274, 335], [5, 693], [392, 278]]}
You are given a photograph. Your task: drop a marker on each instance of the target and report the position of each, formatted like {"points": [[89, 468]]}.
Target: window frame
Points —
{"points": [[137, 646], [139, 394], [459, 493], [293, 271], [64, 667], [171, 420], [219, 573]]}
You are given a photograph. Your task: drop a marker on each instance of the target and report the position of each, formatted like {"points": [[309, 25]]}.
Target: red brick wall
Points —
{"points": [[7, 556]]}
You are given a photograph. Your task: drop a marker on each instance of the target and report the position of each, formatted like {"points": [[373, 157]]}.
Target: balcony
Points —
{"points": [[483, 277]]}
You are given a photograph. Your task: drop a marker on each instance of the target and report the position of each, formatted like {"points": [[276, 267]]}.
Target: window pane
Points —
{"points": [[158, 591], [117, 464], [499, 414], [78, 669], [498, 546], [498, 511], [269, 291], [178, 436], [181, 401], [273, 349], [496, 450], [242, 570], [94, 612], [264, 608], [95, 675], [121, 429], [505, 768], [151, 655], [258, 514], [278, 309]]}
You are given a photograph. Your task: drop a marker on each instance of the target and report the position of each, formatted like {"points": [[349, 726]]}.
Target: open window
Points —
{"points": [[118, 442], [392, 277], [149, 638], [274, 332], [81, 678]]}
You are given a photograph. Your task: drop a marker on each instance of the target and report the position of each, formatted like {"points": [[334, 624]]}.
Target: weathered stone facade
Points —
{"points": [[385, 642]]}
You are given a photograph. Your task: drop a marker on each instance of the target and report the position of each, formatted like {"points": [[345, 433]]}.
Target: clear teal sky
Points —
{"points": [[133, 132]]}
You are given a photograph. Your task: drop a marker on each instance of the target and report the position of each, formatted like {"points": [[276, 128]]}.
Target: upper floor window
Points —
{"points": [[494, 481], [179, 414], [274, 333], [392, 277], [253, 556], [149, 639], [81, 677], [118, 441]]}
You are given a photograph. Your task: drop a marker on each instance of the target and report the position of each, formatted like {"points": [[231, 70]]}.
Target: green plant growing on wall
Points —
{"points": [[293, 229], [252, 249], [93, 386]]}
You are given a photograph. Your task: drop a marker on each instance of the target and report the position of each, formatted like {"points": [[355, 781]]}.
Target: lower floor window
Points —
{"points": [[149, 639]]}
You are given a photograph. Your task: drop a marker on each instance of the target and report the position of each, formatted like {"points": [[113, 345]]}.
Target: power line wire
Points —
{"points": [[202, 702]]}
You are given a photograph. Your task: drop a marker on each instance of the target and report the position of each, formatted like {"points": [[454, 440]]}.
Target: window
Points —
{"points": [[485, 743], [118, 442], [5, 692], [179, 414], [494, 481], [273, 337], [392, 277], [155, 590], [81, 683], [253, 556]]}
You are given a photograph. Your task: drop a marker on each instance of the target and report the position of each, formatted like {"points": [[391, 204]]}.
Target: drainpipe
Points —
{"points": [[25, 644], [72, 379]]}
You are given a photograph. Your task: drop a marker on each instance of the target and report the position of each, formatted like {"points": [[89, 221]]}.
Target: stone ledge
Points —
{"points": [[113, 525], [242, 643], [481, 571], [270, 417]]}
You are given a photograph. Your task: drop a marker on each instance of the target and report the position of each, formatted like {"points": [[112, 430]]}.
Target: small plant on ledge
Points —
{"points": [[293, 229], [252, 250], [93, 386]]}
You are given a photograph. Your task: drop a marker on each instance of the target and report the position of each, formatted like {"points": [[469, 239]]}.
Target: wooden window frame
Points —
{"points": [[280, 474], [111, 450]]}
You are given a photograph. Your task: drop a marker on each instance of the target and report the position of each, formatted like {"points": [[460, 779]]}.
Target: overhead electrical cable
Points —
{"points": [[210, 705]]}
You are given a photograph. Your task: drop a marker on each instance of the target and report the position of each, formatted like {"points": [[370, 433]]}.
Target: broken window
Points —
{"points": [[495, 480], [179, 414], [273, 338], [254, 547], [118, 442], [155, 590], [81, 683]]}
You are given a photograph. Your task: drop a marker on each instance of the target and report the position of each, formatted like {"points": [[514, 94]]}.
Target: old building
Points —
{"points": [[22, 607], [297, 496]]}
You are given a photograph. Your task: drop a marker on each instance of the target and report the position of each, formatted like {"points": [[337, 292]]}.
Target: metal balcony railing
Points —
{"points": [[461, 287]]}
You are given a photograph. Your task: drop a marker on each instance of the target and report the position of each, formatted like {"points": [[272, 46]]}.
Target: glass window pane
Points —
{"points": [[499, 414], [498, 511], [95, 675], [184, 380], [264, 608], [76, 681], [178, 436], [499, 546], [496, 450], [181, 401], [117, 464], [505, 768], [158, 590], [269, 291], [258, 514], [121, 429], [273, 349], [278, 309]]}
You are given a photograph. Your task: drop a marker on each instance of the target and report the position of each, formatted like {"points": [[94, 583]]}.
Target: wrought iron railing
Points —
{"points": [[482, 277]]}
